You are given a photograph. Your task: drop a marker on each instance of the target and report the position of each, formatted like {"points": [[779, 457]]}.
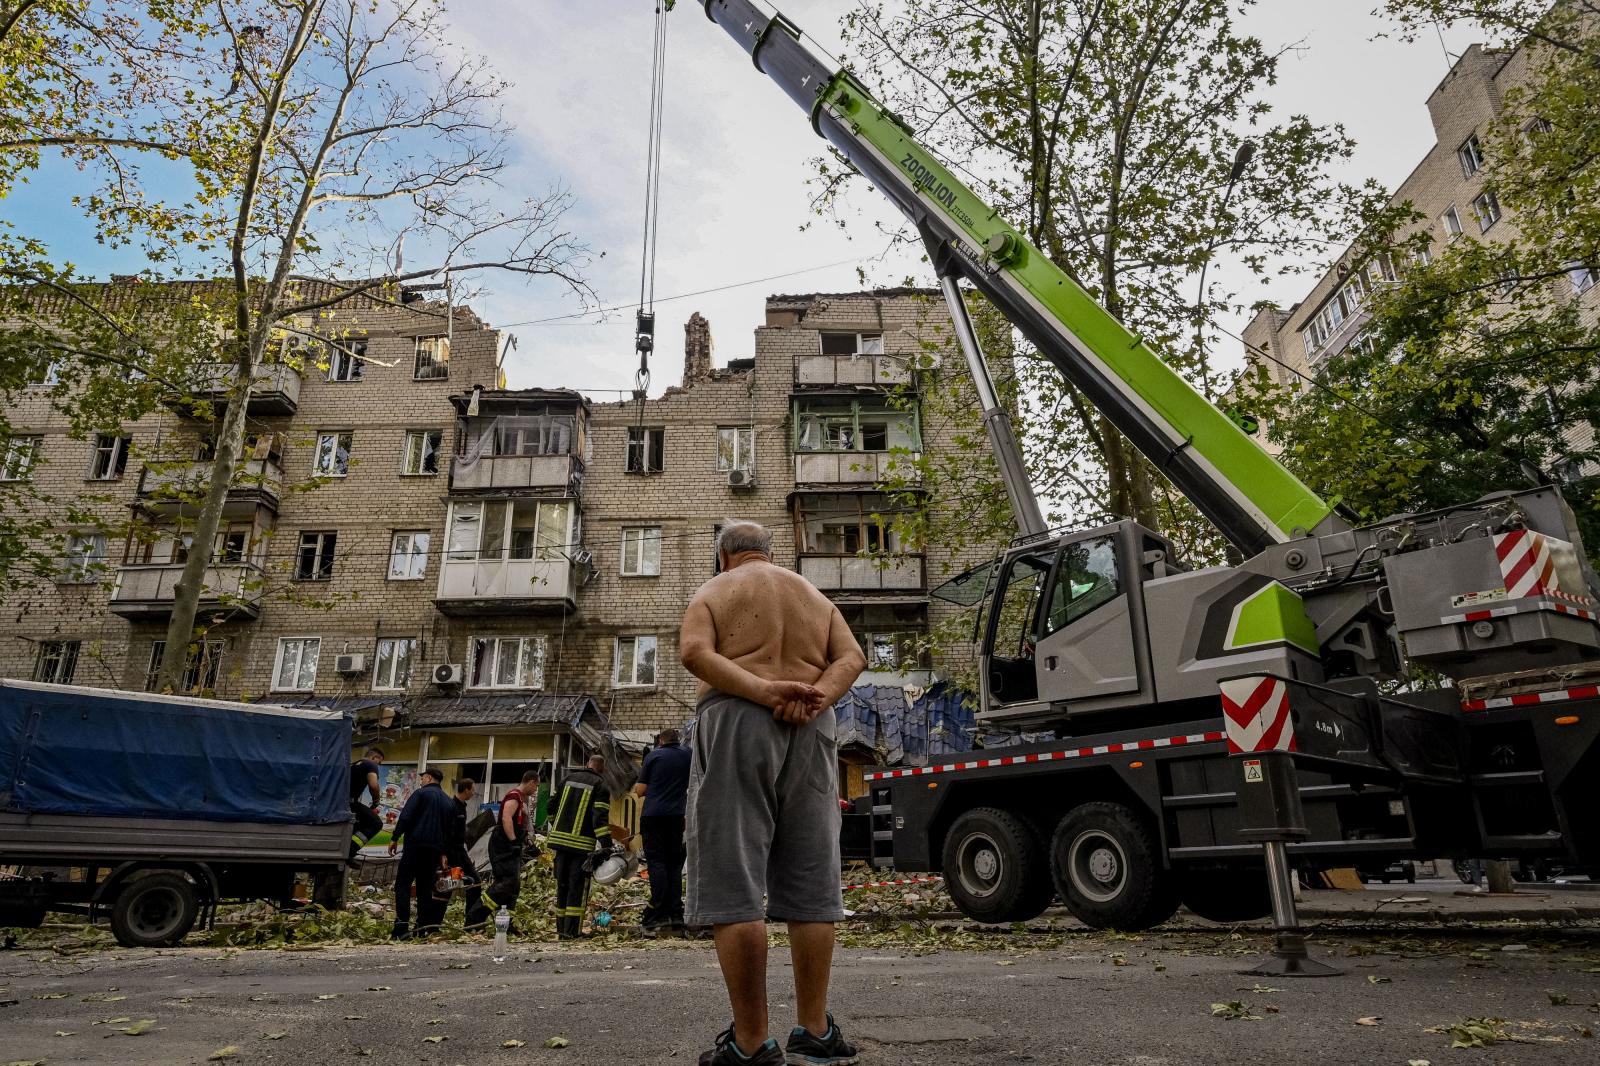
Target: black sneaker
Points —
{"points": [[829, 1049], [727, 1053]]}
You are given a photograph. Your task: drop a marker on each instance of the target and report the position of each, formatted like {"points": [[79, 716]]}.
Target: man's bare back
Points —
{"points": [[772, 626]]}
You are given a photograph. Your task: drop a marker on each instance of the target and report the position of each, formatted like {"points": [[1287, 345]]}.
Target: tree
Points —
{"points": [[1480, 367], [312, 139], [1107, 130]]}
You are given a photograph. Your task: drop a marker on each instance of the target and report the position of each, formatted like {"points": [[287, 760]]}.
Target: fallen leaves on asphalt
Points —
{"points": [[138, 1028], [558, 1042], [223, 1053], [1234, 1010]]}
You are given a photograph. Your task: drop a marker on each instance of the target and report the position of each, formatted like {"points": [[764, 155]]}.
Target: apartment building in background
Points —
{"points": [[475, 570], [1449, 190]]}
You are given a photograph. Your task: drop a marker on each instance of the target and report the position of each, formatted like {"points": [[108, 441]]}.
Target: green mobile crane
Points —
{"points": [[1213, 721]]}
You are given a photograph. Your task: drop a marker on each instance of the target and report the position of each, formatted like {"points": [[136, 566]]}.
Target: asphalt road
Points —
{"points": [[1084, 998]]}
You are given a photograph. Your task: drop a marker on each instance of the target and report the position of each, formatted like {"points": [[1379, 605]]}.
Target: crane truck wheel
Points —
{"points": [[1226, 896], [155, 911], [1106, 862], [995, 867]]}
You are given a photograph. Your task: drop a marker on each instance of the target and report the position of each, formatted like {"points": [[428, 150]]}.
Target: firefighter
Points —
{"points": [[580, 817], [508, 844]]}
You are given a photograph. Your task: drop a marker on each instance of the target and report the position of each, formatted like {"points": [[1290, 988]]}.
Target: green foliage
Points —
{"points": [[1479, 370], [1108, 132]]}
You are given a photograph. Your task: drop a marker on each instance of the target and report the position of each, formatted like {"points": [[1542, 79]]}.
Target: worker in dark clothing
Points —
{"points": [[364, 812], [508, 846], [664, 784], [425, 824], [580, 819], [476, 914]]}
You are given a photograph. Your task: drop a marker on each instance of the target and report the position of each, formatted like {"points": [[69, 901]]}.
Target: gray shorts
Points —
{"points": [[763, 817]]}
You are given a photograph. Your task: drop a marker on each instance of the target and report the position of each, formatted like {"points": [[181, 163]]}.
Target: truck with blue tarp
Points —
{"points": [[150, 810]]}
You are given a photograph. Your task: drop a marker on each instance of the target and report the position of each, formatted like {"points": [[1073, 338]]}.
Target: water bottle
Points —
{"points": [[502, 923]]}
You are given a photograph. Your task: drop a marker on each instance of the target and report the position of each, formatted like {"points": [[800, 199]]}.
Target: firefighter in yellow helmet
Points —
{"points": [[581, 814]]}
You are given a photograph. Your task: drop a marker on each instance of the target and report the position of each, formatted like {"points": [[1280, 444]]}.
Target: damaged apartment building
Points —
{"points": [[476, 570]]}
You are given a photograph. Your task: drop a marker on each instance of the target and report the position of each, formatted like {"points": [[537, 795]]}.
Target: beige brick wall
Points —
{"points": [[687, 499]]}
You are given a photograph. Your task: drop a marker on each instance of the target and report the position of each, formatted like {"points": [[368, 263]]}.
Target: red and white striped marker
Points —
{"points": [[1525, 563], [891, 884], [1048, 756], [1533, 699], [1256, 713]]}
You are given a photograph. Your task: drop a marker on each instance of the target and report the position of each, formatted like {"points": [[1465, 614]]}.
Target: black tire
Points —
{"points": [[1226, 896], [995, 867], [155, 911], [1106, 863]]}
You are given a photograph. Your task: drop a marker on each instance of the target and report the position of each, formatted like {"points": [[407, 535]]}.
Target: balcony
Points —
{"points": [[276, 390], [507, 586], [853, 468], [828, 371], [145, 591], [515, 472], [857, 573], [170, 488]]}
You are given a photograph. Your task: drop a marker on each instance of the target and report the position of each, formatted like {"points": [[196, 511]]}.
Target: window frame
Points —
{"points": [[1581, 276], [1486, 199], [1470, 155], [505, 549], [743, 450], [15, 463], [1450, 219], [436, 436], [410, 661], [440, 343], [347, 360], [62, 657], [323, 556], [113, 448], [300, 663], [409, 554], [639, 545], [534, 641], [84, 568], [650, 444], [822, 347], [342, 438], [637, 641], [209, 656]]}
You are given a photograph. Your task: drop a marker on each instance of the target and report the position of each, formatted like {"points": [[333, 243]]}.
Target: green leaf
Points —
{"points": [[557, 1042], [223, 1053], [138, 1028]]}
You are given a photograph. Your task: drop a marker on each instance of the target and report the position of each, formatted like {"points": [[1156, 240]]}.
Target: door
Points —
{"points": [[1086, 643], [1013, 627]]}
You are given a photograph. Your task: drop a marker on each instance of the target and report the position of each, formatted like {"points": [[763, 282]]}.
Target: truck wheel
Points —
{"points": [[1226, 896], [1106, 862], [155, 911], [994, 867]]}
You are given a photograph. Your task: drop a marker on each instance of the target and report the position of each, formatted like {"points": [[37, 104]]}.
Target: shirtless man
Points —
{"points": [[774, 655]]}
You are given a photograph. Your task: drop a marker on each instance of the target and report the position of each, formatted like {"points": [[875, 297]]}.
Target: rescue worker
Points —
{"points": [[425, 825], [581, 815], [509, 843], [476, 914], [364, 779]]}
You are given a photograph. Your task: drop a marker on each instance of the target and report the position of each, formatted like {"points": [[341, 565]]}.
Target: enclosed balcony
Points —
{"points": [[848, 542], [274, 392], [170, 488], [511, 556], [526, 440], [844, 440], [145, 591]]}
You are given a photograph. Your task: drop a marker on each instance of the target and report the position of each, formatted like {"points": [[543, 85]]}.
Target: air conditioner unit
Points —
{"points": [[448, 674], [350, 664], [740, 478]]}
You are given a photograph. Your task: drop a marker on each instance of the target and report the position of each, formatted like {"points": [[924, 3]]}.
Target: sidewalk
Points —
{"points": [[1439, 902]]}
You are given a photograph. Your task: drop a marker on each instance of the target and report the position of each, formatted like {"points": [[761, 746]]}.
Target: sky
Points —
{"points": [[734, 198]]}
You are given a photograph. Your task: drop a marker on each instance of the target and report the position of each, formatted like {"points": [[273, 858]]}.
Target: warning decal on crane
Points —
{"points": [[1256, 712]]}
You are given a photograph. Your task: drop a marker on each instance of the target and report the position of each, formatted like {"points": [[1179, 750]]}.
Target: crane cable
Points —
{"points": [[644, 335]]}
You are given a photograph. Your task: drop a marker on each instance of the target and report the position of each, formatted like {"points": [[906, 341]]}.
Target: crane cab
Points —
{"points": [[1104, 626]]}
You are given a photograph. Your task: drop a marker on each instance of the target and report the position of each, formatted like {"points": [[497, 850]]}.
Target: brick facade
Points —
{"points": [[581, 603]]}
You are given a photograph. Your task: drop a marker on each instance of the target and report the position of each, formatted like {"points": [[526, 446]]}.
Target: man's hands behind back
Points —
{"points": [[795, 702]]}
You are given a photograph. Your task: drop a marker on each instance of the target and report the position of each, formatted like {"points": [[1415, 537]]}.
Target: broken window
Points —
{"points": [[422, 451], [17, 456], [851, 343], [433, 359], [646, 450], [314, 561], [507, 662], [515, 529], [109, 459], [841, 425], [332, 458], [202, 666], [346, 359], [847, 523]]}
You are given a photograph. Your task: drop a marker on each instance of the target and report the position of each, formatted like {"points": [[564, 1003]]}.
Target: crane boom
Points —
{"points": [[1252, 498]]}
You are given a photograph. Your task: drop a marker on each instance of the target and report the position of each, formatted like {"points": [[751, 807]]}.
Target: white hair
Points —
{"points": [[738, 536]]}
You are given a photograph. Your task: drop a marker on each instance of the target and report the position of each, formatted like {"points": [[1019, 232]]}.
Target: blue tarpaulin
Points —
{"points": [[71, 750]]}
